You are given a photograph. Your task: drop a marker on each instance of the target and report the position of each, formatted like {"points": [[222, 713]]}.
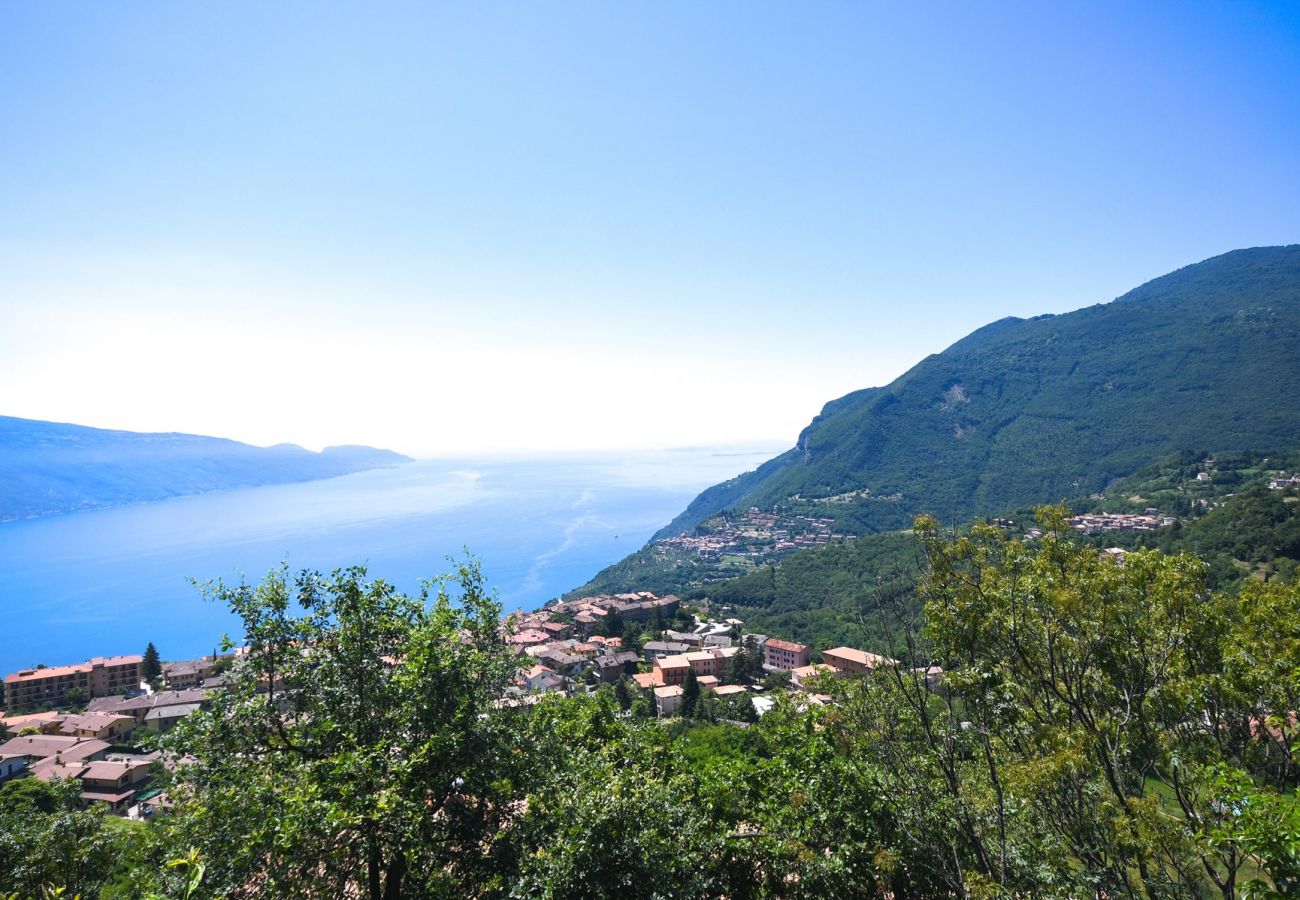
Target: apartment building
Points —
{"points": [[785, 655], [102, 676]]}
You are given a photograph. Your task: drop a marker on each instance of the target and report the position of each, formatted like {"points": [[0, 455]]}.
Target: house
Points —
{"points": [[98, 677], [557, 630], [11, 764], [712, 661], [612, 666], [785, 655], [689, 638], [648, 680], [711, 629], [39, 755], [529, 637], [729, 690], [668, 699], [103, 726], [113, 784], [849, 661], [557, 659], [188, 674], [140, 707], [540, 678], [671, 670], [804, 676], [717, 640], [40, 746], [164, 718], [43, 722], [932, 675], [652, 649]]}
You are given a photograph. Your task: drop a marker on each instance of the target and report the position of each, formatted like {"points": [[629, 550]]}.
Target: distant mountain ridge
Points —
{"points": [[50, 467], [1023, 411]]}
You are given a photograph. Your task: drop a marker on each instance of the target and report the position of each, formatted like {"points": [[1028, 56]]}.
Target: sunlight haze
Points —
{"points": [[507, 227]]}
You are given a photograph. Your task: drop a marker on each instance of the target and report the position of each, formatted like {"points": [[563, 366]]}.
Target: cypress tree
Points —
{"points": [[690, 695], [152, 664]]}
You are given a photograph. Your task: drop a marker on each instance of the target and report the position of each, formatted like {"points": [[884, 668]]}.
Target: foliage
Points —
{"points": [[1087, 710], [359, 750], [47, 843]]}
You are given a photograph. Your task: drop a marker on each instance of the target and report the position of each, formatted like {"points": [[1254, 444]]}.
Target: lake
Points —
{"points": [[108, 581]]}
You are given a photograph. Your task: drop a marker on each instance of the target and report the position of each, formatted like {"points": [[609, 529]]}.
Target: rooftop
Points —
{"points": [[861, 657]]}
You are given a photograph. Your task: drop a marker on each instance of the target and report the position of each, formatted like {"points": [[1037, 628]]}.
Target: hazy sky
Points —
{"points": [[559, 225]]}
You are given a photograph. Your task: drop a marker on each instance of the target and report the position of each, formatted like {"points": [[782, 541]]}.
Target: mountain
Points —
{"points": [[1031, 410], [48, 467]]}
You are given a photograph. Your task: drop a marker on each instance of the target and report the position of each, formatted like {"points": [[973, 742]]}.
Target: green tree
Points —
{"points": [[76, 697], [152, 668], [623, 694], [736, 669], [29, 796], [360, 750], [611, 625], [690, 696], [48, 842], [1085, 709]]}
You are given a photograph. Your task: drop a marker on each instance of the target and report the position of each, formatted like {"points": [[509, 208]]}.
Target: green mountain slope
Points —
{"points": [[48, 467], [1027, 411]]}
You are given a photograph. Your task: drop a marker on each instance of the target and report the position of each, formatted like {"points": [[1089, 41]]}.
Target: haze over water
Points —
{"points": [[109, 581]]}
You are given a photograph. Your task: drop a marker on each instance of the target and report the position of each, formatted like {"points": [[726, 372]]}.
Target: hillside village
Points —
{"points": [[667, 656], [756, 535]]}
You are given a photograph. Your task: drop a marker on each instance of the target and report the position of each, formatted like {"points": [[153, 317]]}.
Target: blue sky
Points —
{"points": [[492, 227]]}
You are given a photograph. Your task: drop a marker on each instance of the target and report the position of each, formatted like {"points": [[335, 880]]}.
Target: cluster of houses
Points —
{"points": [[95, 746], [559, 644], [1094, 523], [759, 534], [1283, 482], [558, 647]]}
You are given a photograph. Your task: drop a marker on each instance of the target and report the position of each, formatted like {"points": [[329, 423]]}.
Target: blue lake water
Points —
{"points": [[109, 581]]}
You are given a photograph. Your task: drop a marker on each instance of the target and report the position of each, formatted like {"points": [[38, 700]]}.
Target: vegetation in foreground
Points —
{"points": [[1100, 730]]}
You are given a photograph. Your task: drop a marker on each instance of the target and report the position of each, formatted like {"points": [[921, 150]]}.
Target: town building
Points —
{"points": [[803, 677], [98, 677], [140, 707], [43, 746], [163, 719], [188, 674], [653, 649], [785, 655], [42, 722], [668, 699], [849, 661], [540, 678], [11, 765], [109, 727]]}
